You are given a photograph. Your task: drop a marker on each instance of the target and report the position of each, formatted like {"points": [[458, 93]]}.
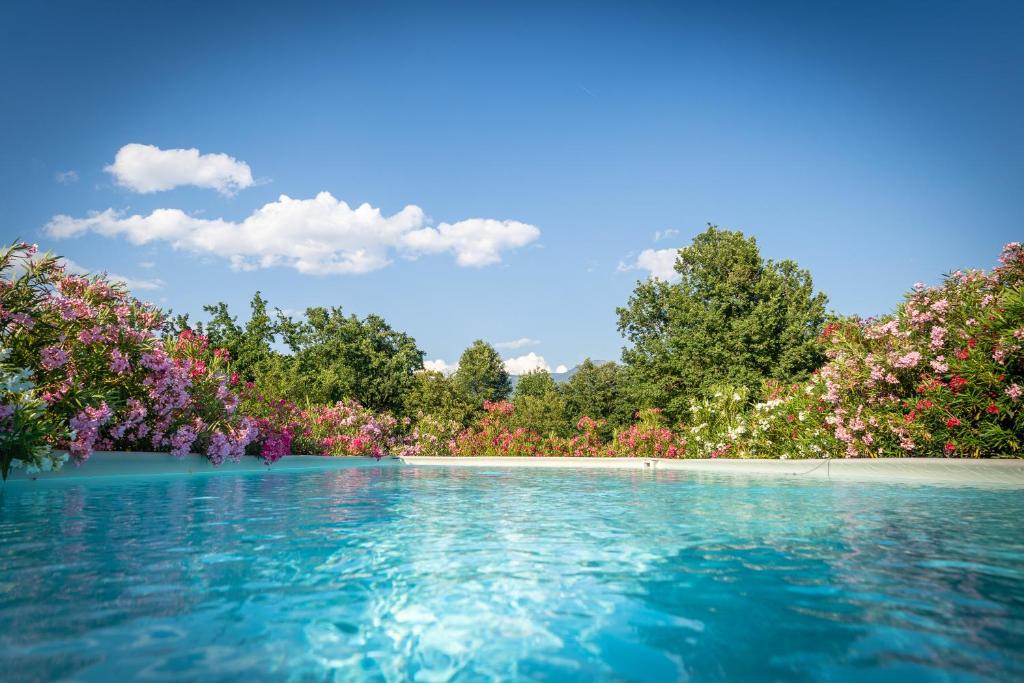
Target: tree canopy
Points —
{"points": [[341, 357], [732, 317], [598, 391], [481, 375]]}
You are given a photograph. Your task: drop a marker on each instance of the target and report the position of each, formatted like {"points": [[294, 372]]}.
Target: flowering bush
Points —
{"points": [[588, 441], [494, 434], [789, 423], [433, 435], [649, 437], [943, 376], [94, 355], [718, 422], [345, 428]]}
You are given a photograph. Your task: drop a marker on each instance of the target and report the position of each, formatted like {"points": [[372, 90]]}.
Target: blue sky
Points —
{"points": [[875, 144]]}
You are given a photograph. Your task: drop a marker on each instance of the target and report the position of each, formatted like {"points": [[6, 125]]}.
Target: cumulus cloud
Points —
{"points": [[147, 168], [475, 242], [66, 177], [561, 368], [320, 236], [441, 366], [520, 365], [516, 343], [134, 284], [660, 235], [660, 263]]}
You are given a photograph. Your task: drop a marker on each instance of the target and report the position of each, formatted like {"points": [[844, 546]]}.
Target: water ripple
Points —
{"points": [[432, 574]]}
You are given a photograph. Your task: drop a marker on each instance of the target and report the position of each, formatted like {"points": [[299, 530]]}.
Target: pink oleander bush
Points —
{"points": [[649, 437], [93, 353], [943, 376], [493, 434], [345, 428]]}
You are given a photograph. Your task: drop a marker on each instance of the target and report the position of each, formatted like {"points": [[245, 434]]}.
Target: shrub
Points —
{"points": [[942, 376], [106, 379], [344, 428], [649, 437]]}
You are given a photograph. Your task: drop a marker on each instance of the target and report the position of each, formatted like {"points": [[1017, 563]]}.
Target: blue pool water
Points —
{"points": [[429, 574]]}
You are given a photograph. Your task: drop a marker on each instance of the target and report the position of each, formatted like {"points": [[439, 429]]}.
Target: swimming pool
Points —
{"points": [[392, 572]]}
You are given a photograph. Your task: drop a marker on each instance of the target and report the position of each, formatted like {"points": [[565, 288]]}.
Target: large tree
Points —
{"points": [[732, 317], [250, 345], [481, 375], [539, 404], [339, 356], [436, 394], [597, 391]]}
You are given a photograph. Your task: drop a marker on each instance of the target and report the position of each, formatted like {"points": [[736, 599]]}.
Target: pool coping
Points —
{"points": [[1006, 473], [136, 463], [991, 472]]}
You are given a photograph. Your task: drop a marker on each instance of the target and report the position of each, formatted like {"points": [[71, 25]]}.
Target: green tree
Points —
{"points": [[731, 318], [539, 404], [481, 375], [338, 356], [251, 346], [598, 391], [436, 395], [535, 383]]}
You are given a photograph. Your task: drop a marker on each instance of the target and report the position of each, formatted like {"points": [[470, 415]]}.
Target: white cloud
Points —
{"points": [[146, 168], [660, 263], [561, 368], [441, 366], [321, 236], [520, 365], [66, 177], [133, 284], [476, 242], [516, 343], [660, 235]]}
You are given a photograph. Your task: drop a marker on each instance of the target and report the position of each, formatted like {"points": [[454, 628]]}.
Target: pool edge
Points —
{"points": [[1002, 472]]}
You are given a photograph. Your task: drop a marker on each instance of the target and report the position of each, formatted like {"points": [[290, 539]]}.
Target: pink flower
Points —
{"points": [[119, 362], [86, 426], [909, 360], [1014, 391], [24, 320], [182, 440], [53, 357]]}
